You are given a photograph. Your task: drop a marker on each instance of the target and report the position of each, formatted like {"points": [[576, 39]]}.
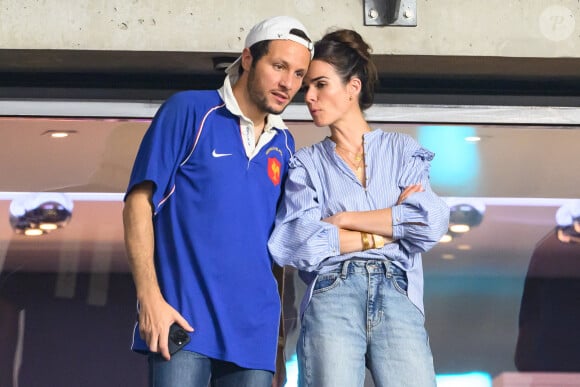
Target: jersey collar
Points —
{"points": [[227, 95]]}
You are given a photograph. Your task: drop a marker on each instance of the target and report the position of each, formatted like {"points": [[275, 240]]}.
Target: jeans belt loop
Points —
{"points": [[344, 271], [388, 268]]}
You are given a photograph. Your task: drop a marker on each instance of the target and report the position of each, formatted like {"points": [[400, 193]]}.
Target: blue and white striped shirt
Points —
{"points": [[321, 184]]}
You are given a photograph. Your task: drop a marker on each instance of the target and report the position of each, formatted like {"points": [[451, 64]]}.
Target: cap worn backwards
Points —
{"points": [[568, 213], [275, 28]]}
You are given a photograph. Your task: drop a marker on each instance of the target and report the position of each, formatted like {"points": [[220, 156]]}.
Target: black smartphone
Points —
{"points": [[178, 337]]}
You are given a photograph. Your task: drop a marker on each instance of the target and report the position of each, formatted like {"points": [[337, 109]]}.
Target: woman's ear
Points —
{"points": [[354, 86]]}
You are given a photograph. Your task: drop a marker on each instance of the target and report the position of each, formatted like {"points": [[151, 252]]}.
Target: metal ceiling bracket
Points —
{"points": [[402, 13]]}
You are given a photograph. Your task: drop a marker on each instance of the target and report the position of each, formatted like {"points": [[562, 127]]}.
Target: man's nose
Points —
{"points": [[287, 81]]}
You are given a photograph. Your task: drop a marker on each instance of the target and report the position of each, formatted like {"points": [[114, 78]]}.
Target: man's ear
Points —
{"points": [[246, 59]]}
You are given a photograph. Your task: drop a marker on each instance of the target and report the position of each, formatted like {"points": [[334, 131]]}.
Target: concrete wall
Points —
{"points": [[503, 28]]}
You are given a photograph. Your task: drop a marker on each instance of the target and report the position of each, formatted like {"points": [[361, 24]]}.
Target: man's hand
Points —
{"points": [[155, 318]]}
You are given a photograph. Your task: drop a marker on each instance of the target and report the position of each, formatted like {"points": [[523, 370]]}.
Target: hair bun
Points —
{"points": [[351, 39], [350, 55]]}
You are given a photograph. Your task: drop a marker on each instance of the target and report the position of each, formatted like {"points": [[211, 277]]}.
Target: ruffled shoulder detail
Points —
{"points": [[293, 162], [424, 154]]}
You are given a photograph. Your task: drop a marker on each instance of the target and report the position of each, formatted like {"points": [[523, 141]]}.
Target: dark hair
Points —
{"points": [[259, 49], [350, 55]]}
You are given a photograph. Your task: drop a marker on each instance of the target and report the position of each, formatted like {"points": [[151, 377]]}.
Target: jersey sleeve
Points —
{"points": [[164, 146]]}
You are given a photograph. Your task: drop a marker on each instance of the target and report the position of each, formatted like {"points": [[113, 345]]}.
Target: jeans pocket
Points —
{"points": [[325, 282], [400, 282]]}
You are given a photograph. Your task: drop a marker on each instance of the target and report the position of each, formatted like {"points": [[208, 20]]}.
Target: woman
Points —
{"points": [[357, 213]]}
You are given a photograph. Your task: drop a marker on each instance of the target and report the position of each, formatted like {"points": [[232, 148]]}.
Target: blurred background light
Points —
{"points": [[456, 165], [472, 379]]}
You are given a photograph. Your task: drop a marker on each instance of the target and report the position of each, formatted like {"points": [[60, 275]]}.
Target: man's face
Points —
{"points": [[277, 76]]}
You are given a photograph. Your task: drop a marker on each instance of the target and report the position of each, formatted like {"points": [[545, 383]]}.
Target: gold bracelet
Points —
{"points": [[365, 241], [379, 241]]}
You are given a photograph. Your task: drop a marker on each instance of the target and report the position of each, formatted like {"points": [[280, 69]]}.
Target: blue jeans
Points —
{"points": [[359, 316], [190, 369]]}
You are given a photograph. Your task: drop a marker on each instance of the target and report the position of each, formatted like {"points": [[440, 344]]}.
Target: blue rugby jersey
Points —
{"points": [[320, 184], [214, 211]]}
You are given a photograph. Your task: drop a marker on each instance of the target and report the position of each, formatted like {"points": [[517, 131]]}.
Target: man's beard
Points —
{"points": [[258, 97]]}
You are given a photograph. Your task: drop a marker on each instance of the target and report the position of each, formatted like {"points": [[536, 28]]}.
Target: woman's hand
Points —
{"points": [[409, 191]]}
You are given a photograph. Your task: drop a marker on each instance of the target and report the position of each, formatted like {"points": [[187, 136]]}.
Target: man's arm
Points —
{"points": [[155, 314]]}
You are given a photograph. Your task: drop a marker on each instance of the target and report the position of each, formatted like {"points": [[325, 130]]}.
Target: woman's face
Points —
{"points": [[327, 97]]}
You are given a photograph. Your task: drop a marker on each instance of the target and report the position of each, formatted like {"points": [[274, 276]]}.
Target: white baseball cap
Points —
{"points": [[275, 28], [568, 213]]}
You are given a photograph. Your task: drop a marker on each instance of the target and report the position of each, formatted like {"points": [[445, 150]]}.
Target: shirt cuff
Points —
{"points": [[333, 242], [397, 215]]}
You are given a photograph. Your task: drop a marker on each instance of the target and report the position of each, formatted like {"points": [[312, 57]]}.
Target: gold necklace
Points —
{"points": [[356, 162], [357, 165], [357, 156]]}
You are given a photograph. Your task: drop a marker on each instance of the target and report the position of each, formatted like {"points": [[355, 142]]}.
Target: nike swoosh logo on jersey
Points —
{"points": [[215, 154]]}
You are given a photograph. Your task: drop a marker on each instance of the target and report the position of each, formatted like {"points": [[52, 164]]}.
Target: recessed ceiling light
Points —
{"points": [[446, 238], [448, 256], [59, 133], [459, 228], [464, 247], [48, 226], [473, 139], [33, 232]]}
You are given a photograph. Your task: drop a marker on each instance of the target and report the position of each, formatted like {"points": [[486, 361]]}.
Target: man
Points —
{"points": [[549, 314], [199, 208]]}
